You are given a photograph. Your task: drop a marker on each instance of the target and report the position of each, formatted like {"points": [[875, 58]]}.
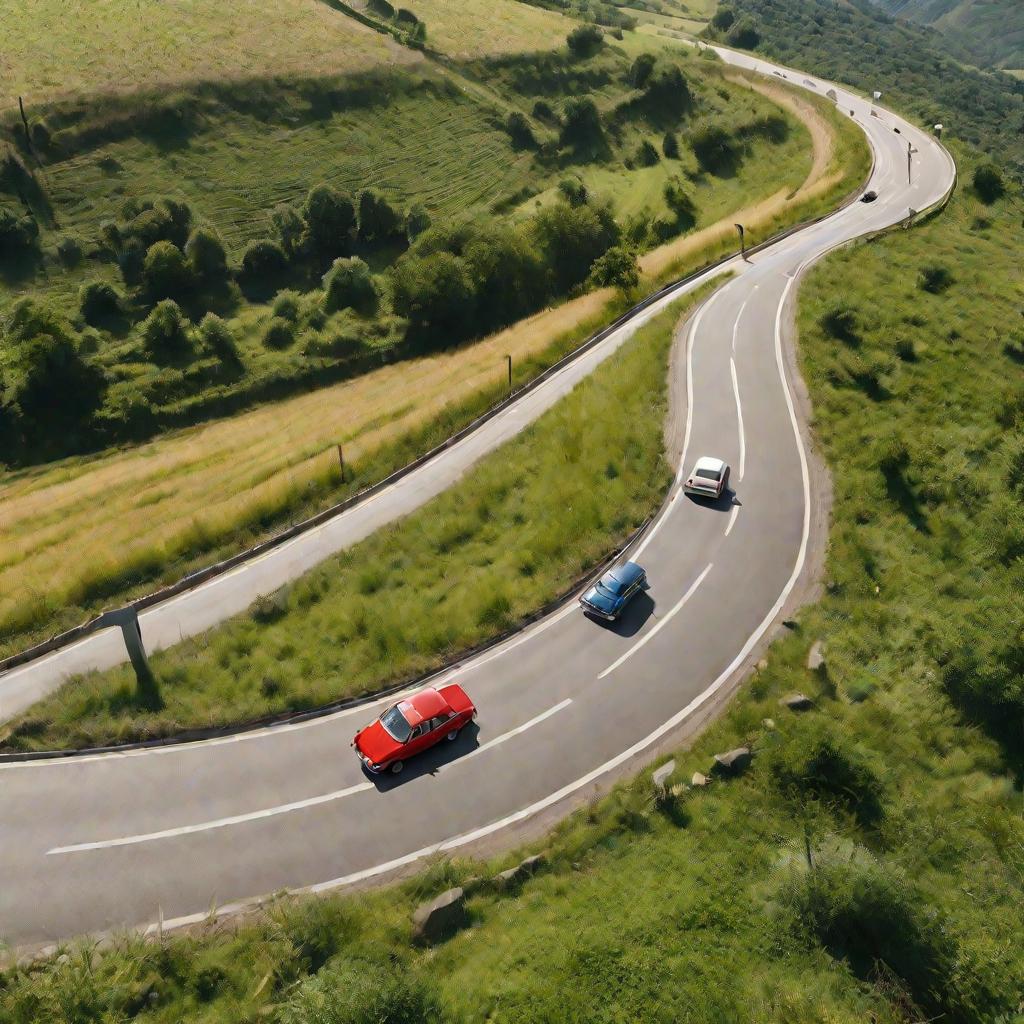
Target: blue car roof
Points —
{"points": [[626, 573]]}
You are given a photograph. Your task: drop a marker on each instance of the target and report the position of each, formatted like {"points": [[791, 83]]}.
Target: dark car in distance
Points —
{"points": [[608, 597]]}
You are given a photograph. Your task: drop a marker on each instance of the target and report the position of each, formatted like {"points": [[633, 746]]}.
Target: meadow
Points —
{"points": [[195, 495], [870, 863]]}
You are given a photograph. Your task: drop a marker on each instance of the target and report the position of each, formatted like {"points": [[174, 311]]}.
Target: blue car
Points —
{"points": [[608, 597]]}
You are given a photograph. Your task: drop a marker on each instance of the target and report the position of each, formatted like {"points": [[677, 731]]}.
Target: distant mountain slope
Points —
{"points": [[989, 32]]}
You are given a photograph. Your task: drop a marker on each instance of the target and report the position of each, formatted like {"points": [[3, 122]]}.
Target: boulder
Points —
{"points": [[768, 723], [762, 665], [797, 702], [699, 780], [816, 657], [439, 918], [662, 775], [732, 762], [516, 876]]}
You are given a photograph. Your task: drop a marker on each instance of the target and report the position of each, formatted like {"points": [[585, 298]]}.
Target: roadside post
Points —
{"points": [[743, 246]]}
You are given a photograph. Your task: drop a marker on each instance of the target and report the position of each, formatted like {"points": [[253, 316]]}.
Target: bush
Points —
{"points": [[670, 146], [723, 19], [355, 992], [744, 34], [519, 131], [165, 332], [45, 384], [667, 94], [680, 203], [379, 221], [289, 227], [279, 333], [286, 305], [18, 232], [543, 111], [988, 183], [381, 7], [417, 220], [435, 291], [206, 257], [581, 125], [840, 322], [647, 156], [69, 250], [617, 268], [330, 218], [216, 337], [263, 260], [935, 279], [573, 191], [572, 237], [584, 41], [715, 149], [641, 70], [97, 301], [349, 284], [160, 220], [165, 272], [508, 275]]}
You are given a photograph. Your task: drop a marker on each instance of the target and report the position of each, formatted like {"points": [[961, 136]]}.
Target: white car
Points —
{"points": [[709, 478]]}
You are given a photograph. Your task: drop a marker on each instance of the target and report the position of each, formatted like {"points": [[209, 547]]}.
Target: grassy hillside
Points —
{"points": [[988, 32], [868, 867], [871, 51], [206, 493]]}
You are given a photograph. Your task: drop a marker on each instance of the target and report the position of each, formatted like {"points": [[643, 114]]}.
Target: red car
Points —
{"points": [[412, 726]]}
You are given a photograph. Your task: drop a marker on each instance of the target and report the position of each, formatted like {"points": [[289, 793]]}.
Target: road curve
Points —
{"points": [[100, 842]]}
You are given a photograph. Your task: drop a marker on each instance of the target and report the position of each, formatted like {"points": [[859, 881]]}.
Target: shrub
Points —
{"points": [[289, 227], [379, 221], [723, 19], [165, 272], [641, 70], [508, 274], [349, 284], [572, 237], [165, 332], [935, 279], [330, 218], [519, 131], [69, 250], [44, 381], [715, 149], [206, 256], [840, 322], [435, 291], [647, 156], [160, 220], [543, 111], [617, 268], [18, 232], [404, 16], [286, 305], [574, 192], [279, 333], [131, 256], [263, 260], [670, 146], [97, 301], [667, 93], [417, 220], [581, 125], [680, 203], [217, 338], [584, 41], [381, 7], [355, 992], [988, 183], [744, 34]]}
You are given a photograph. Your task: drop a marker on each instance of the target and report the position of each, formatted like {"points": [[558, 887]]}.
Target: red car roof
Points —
{"points": [[423, 705]]}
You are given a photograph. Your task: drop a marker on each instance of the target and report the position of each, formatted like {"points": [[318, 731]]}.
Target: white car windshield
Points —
{"points": [[708, 474], [397, 727]]}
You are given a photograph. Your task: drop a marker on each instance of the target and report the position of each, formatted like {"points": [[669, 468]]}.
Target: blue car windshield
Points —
{"points": [[612, 585], [394, 722]]}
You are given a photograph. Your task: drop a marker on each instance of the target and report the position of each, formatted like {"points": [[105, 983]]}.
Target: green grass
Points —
{"points": [[386, 609]]}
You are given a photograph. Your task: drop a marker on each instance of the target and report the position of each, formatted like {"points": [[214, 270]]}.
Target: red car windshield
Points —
{"points": [[397, 727]]}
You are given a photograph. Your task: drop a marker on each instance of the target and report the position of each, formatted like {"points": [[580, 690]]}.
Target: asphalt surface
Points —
{"points": [[108, 841]]}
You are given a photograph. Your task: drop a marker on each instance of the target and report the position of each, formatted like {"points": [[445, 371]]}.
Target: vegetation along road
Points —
{"points": [[564, 705]]}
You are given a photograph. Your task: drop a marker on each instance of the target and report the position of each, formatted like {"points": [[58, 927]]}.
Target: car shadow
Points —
{"points": [[632, 620], [429, 761], [722, 504]]}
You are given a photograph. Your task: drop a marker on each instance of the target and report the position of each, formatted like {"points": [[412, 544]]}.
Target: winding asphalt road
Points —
{"points": [[100, 842]]}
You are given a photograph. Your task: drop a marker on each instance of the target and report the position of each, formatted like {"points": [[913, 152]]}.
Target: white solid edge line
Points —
{"points": [[657, 629], [732, 519], [739, 416], [296, 805]]}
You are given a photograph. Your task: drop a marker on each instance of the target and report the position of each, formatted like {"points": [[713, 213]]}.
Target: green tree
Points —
{"points": [[716, 150], [263, 260], [349, 284], [508, 275], [417, 220], [584, 41], [667, 94], [18, 232], [617, 268], [165, 272], [279, 333], [379, 221], [519, 131], [206, 257], [571, 238], [647, 155], [581, 125], [165, 333], [289, 228], [216, 337], [98, 301], [641, 70], [435, 292], [723, 18], [988, 183], [670, 146], [573, 191], [330, 218]]}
